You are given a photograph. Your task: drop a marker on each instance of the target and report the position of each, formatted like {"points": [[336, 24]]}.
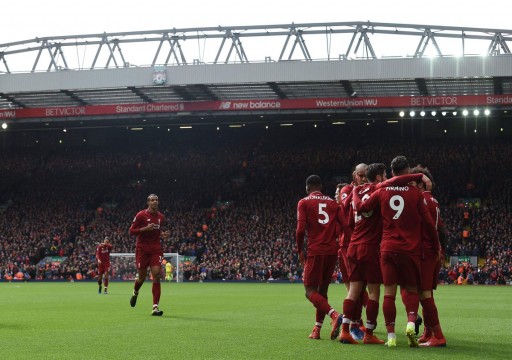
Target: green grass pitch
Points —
{"points": [[227, 321]]}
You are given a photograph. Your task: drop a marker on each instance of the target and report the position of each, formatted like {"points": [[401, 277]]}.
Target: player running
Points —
{"points": [[148, 250]]}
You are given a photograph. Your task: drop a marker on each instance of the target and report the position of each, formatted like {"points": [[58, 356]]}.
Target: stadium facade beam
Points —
{"points": [[75, 97], [365, 74], [347, 86], [498, 85], [205, 90], [12, 100], [183, 93], [139, 93], [422, 86], [275, 87]]}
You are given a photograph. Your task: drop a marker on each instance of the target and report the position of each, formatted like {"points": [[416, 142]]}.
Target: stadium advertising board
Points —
{"points": [[419, 102]]}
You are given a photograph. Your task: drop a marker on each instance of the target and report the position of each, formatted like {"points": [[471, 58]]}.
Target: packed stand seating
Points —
{"points": [[230, 200]]}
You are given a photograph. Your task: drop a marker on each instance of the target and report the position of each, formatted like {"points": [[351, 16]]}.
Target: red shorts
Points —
{"points": [[342, 263], [145, 258], [401, 269], [364, 263], [103, 267], [318, 270], [430, 267]]}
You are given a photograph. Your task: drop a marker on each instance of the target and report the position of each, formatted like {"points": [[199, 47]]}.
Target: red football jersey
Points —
{"points": [[320, 217], [404, 211], [435, 213], [147, 240], [368, 225], [103, 253], [346, 200]]}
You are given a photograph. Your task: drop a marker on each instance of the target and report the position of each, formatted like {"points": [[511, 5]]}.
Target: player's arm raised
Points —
{"points": [[346, 197], [402, 180], [367, 205]]}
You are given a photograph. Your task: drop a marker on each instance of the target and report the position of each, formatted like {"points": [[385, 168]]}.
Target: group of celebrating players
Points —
{"points": [[379, 231]]}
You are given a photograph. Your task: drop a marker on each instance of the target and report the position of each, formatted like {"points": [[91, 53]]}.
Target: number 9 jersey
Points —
{"points": [[404, 213]]}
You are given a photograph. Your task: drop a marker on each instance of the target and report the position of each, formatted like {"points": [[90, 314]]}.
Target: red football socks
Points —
{"points": [[320, 302], [389, 310], [372, 311], [432, 316], [156, 292], [349, 307], [412, 303], [320, 316]]}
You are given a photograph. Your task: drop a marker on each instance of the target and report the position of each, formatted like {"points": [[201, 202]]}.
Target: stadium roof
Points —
{"points": [[300, 84]]}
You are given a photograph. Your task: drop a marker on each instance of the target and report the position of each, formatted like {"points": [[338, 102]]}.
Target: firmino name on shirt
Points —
{"points": [[397, 188], [314, 197]]}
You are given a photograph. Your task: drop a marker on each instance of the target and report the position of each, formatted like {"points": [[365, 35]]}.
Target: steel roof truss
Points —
{"points": [[111, 49], [299, 39], [498, 42], [368, 48], [5, 62], [236, 44], [174, 43], [424, 41], [57, 50]]}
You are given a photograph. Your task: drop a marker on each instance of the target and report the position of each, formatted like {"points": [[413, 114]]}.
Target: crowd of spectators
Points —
{"points": [[230, 201]]}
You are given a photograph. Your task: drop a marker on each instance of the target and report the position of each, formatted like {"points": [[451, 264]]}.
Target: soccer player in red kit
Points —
{"points": [[148, 250], [404, 212], [320, 218], [103, 251], [345, 200], [430, 266], [363, 256], [320, 316]]}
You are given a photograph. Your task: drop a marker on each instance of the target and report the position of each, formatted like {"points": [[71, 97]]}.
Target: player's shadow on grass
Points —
{"points": [[468, 350], [171, 316], [10, 326]]}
